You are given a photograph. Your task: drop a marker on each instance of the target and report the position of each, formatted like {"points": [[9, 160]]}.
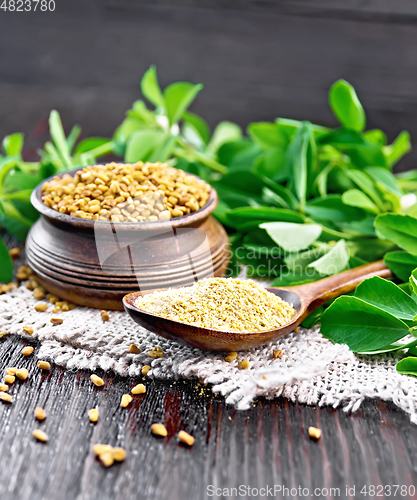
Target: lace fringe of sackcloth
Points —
{"points": [[312, 370]]}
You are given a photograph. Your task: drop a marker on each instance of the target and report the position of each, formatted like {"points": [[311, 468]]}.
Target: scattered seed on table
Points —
{"points": [[126, 400], [99, 449], [27, 351], [231, 356], [15, 252], [93, 415], [52, 299], [28, 330], [2, 334], [22, 374], [185, 438], [277, 354], [11, 370], [56, 310], [139, 389], [4, 387], [159, 430], [7, 398], [44, 365], [40, 435], [57, 321], [107, 458], [314, 432], [119, 454], [64, 308], [9, 379], [41, 307], [96, 380], [134, 349], [296, 330], [104, 315], [39, 293], [145, 369], [244, 364], [39, 413]]}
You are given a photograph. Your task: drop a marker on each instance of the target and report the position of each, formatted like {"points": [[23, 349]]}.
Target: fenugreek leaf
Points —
{"points": [[407, 366], [400, 229], [292, 237], [401, 264], [6, 267], [362, 326]]}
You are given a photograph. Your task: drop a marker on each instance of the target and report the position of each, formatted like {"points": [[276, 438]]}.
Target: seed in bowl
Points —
{"points": [[120, 192], [224, 304]]}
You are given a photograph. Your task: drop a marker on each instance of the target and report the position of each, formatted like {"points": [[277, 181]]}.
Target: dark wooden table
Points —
{"points": [[266, 446]]}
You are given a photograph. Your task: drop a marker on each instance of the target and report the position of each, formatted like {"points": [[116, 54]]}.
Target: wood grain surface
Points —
{"points": [[266, 445]]}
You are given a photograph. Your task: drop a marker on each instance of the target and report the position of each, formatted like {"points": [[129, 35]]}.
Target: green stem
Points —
{"points": [[197, 156], [102, 150]]}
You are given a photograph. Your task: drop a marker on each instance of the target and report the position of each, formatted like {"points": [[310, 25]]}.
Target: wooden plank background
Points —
{"points": [[258, 60]]}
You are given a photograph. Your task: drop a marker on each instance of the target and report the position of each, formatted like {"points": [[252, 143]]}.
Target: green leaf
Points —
{"points": [[290, 278], [238, 217], [13, 144], [362, 326], [413, 281], [400, 229], [407, 366], [223, 133], [386, 178], [58, 136], [333, 209], [401, 264], [292, 237], [150, 88], [6, 268], [376, 136], [267, 135], [356, 198], [14, 222], [367, 185], [346, 106], [240, 186], [178, 97], [297, 161], [334, 261], [89, 144], [73, 136], [299, 261], [142, 143], [400, 147], [395, 346], [387, 296], [198, 124], [271, 163]]}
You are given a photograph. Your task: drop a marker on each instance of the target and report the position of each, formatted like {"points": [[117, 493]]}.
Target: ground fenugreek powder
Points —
{"points": [[120, 192], [224, 304]]}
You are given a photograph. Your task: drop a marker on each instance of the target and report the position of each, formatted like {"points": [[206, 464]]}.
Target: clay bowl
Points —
{"points": [[96, 263]]}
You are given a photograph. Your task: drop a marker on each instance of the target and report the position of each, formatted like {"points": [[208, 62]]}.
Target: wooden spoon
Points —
{"points": [[304, 298]]}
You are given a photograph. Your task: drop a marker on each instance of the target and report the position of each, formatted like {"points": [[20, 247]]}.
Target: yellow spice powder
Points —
{"points": [[224, 304]]}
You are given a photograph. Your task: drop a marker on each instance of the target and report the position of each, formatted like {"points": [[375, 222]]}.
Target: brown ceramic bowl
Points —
{"points": [[96, 263]]}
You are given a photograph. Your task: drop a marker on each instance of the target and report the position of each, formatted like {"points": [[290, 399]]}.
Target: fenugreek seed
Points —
{"points": [[52, 299], [15, 252], [4, 387], [97, 380], [64, 308], [185, 438], [9, 379], [41, 307], [99, 449], [3, 334], [44, 365], [11, 370], [134, 349], [93, 415], [27, 351], [40, 436], [107, 458], [57, 321], [314, 433], [126, 400], [297, 329], [38, 293], [244, 364], [231, 357], [56, 310], [145, 369], [139, 389], [39, 413], [159, 430], [104, 315], [22, 374], [119, 454], [277, 354], [5, 397], [28, 330]]}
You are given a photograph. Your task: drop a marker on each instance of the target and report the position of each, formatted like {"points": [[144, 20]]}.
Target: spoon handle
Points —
{"points": [[317, 293]]}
